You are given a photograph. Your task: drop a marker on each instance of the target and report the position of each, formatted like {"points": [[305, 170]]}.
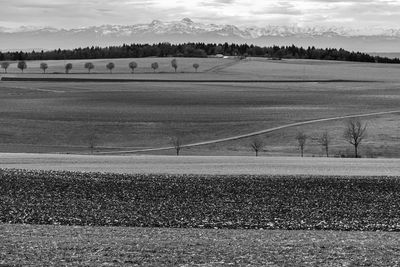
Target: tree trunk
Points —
{"points": [[256, 153], [327, 152], [355, 151]]}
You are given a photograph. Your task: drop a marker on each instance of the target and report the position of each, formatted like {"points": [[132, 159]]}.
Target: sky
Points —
{"points": [[83, 13]]}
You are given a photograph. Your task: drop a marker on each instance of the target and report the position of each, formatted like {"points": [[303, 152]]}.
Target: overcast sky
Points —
{"points": [[82, 13]]}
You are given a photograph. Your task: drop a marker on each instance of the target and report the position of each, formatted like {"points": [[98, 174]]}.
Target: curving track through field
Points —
{"points": [[237, 137]]}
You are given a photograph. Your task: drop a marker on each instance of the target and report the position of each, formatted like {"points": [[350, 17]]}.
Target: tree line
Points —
{"points": [[90, 66], [196, 50], [354, 133]]}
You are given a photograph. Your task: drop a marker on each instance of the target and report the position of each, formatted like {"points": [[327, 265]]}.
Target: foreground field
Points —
{"points": [[95, 246], [199, 201], [209, 165]]}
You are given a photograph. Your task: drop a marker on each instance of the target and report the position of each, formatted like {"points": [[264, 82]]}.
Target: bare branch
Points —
{"points": [[355, 133], [301, 141], [257, 145], [324, 140]]}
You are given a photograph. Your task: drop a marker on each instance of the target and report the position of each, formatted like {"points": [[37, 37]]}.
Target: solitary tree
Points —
{"points": [[176, 141], [301, 141], [5, 65], [92, 140], [133, 65], [68, 67], [22, 65], [89, 66], [324, 140], [257, 145], [355, 133], [44, 67], [174, 64], [154, 66], [110, 66], [196, 66]]}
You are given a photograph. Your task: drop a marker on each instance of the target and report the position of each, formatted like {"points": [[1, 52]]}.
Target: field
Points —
{"points": [[205, 165], [215, 220], [239, 208], [200, 201], [65, 116], [120, 246]]}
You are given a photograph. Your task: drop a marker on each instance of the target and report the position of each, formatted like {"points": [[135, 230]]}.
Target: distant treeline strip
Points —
{"points": [[196, 50]]}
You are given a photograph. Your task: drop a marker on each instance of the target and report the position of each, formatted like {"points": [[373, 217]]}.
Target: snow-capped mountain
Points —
{"points": [[186, 30]]}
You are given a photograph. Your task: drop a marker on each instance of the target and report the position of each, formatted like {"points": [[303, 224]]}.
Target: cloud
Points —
{"points": [[81, 13]]}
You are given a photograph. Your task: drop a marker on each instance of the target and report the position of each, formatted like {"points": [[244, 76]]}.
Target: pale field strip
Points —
{"points": [[203, 165], [252, 134]]}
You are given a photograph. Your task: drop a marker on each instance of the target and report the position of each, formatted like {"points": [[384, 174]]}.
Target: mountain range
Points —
{"points": [[186, 30]]}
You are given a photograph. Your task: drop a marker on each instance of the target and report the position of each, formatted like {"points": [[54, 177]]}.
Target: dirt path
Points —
{"points": [[237, 137]]}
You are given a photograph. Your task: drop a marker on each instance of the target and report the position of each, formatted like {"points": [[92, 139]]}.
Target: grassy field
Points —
{"points": [[209, 165], [117, 246], [64, 117]]}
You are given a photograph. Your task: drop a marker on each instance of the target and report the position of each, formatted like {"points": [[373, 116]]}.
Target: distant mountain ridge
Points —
{"points": [[186, 30]]}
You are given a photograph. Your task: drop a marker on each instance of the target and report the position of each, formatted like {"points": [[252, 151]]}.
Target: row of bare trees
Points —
{"points": [[354, 133], [90, 66]]}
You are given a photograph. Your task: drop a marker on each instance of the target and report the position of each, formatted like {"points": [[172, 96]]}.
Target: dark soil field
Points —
{"points": [[200, 201], [69, 219]]}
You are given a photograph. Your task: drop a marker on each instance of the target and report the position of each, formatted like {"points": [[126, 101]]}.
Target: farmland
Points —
{"points": [[203, 165], [200, 201], [64, 116], [116, 246], [195, 191]]}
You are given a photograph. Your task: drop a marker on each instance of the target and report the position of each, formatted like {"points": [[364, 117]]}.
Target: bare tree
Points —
{"points": [[92, 142], [355, 133], [5, 65], [44, 67], [324, 140], [133, 65], [174, 64], [176, 141], [301, 141], [110, 66], [22, 65], [154, 66], [68, 67], [89, 66], [196, 66], [257, 145]]}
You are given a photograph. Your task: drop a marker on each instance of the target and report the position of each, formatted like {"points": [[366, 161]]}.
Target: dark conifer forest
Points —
{"points": [[196, 50]]}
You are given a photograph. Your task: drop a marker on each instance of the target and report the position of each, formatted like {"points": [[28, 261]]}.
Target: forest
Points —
{"points": [[196, 50]]}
